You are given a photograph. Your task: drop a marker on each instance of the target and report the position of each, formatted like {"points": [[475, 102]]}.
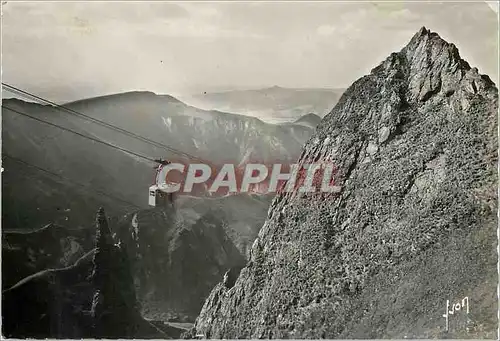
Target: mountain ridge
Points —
{"points": [[210, 135], [416, 146]]}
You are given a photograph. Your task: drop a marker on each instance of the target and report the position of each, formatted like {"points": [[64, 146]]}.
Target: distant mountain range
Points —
{"points": [[274, 104]]}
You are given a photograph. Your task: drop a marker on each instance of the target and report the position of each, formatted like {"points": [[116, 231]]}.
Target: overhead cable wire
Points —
{"points": [[86, 186], [100, 122], [80, 134]]}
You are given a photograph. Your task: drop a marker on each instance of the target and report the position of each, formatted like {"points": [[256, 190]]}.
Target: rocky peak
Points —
{"points": [[104, 244], [432, 66], [428, 43], [114, 310], [104, 237], [415, 144]]}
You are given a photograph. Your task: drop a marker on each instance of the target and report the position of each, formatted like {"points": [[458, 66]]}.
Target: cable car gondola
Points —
{"points": [[158, 195]]}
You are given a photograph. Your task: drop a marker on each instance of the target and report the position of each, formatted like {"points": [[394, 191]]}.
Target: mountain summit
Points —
{"points": [[413, 229]]}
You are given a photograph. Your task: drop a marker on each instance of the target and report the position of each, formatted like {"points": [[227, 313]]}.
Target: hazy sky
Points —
{"points": [[68, 51]]}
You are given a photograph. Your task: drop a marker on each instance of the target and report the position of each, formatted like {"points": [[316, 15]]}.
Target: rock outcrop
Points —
{"points": [[115, 310], [415, 144]]}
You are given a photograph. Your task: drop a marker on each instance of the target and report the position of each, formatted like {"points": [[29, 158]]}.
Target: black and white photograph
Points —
{"points": [[249, 170]]}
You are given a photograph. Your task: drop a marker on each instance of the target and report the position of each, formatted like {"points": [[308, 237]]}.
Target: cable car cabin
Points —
{"points": [[159, 198], [157, 195]]}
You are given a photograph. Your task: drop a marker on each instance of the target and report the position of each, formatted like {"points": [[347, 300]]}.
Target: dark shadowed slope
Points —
{"points": [[50, 303], [415, 224], [206, 235], [52, 246], [94, 297]]}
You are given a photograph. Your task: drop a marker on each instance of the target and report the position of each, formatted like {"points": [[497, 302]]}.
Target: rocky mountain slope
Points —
{"points": [[415, 225]]}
